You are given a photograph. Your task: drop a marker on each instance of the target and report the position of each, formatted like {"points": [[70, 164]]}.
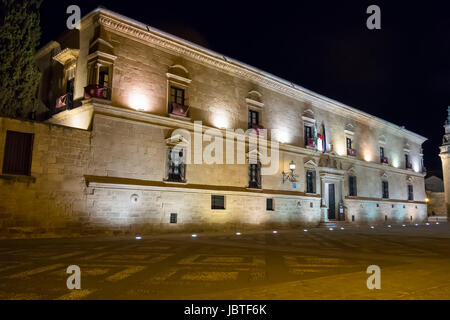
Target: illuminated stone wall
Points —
{"points": [[126, 138], [52, 199]]}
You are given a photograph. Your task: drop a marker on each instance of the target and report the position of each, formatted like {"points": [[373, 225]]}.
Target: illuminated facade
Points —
{"points": [[122, 88], [445, 155]]}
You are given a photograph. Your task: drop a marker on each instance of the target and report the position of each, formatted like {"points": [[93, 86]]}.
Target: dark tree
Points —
{"points": [[19, 76]]}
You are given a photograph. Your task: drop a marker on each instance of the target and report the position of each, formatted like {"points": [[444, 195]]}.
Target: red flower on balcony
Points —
{"points": [[311, 142], [178, 109], [97, 91], [257, 128], [65, 101], [409, 165], [384, 160], [351, 152]]}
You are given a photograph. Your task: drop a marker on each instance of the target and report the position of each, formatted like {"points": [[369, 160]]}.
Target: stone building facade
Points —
{"points": [[434, 188], [126, 101], [445, 158]]}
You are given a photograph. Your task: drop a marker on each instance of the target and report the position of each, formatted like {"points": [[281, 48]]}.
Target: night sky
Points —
{"points": [[400, 73]]}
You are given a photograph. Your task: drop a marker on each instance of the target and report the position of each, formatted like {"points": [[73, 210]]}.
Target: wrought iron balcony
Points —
{"points": [[178, 109], [177, 172], [351, 152], [64, 102], [97, 91], [384, 160]]}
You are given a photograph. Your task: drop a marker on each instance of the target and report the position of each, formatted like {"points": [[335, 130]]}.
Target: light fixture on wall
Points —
{"points": [[290, 176]]}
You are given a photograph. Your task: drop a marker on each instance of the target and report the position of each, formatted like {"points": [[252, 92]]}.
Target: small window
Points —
{"points": [[173, 218], [217, 202], [308, 135], [407, 165], [352, 186], [269, 204], [385, 189], [410, 192], [310, 181], [103, 77], [18, 153], [349, 143], [253, 118], [177, 95], [381, 153]]}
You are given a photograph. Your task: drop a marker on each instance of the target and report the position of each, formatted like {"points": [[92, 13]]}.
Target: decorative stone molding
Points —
{"points": [[67, 56], [178, 78], [349, 129], [310, 164], [351, 171], [254, 104], [100, 55]]}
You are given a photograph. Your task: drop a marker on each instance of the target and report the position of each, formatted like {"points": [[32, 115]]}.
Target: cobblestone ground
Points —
{"points": [[290, 264]]}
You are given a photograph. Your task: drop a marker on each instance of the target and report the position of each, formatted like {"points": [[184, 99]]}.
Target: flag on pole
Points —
{"points": [[316, 135], [324, 138]]}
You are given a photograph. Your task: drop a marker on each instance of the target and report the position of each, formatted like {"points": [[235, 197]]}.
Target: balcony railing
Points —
{"points": [[178, 109], [351, 152], [64, 102], [311, 142], [384, 160], [97, 91]]}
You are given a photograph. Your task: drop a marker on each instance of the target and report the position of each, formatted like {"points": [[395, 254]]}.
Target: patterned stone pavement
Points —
{"points": [[290, 264]]}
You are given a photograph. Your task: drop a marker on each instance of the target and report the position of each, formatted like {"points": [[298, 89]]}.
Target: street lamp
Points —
{"points": [[290, 176]]}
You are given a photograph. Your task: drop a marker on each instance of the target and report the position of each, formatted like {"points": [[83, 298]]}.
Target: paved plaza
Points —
{"points": [[289, 264]]}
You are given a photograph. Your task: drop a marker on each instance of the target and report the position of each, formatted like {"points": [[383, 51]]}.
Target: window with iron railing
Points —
{"points": [[254, 176], [176, 166], [385, 189]]}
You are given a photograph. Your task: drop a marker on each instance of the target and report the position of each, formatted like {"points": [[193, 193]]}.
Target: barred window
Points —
{"points": [[254, 176], [217, 202], [385, 189], [352, 190], [410, 192]]}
